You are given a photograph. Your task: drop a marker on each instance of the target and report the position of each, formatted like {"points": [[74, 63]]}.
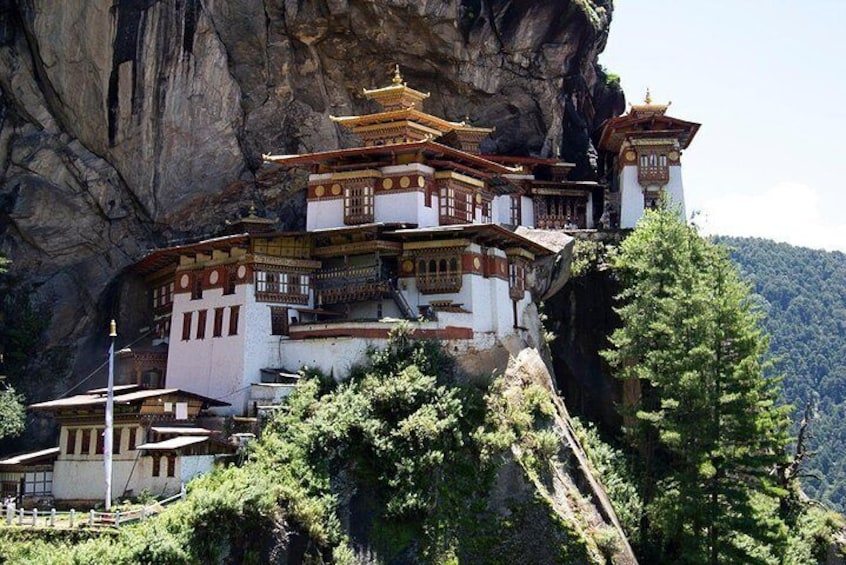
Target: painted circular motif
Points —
{"points": [[674, 155], [213, 277], [319, 191], [421, 182], [387, 184], [242, 271], [184, 280], [405, 182], [630, 155], [336, 189], [477, 263], [407, 266]]}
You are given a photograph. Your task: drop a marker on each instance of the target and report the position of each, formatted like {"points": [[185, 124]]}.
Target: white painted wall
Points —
{"points": [[501, 209], [527, 208], [333, 355], [631, 197], [214, 366], [675, 190], [631, 194], [77, 479], [321, 214]]}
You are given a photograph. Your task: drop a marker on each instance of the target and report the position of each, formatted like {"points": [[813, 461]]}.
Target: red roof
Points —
{"points": [[430, 147], [614, 130]]}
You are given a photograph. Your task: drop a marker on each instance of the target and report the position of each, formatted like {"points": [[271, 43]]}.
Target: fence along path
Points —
{"points": [[70, 519]]}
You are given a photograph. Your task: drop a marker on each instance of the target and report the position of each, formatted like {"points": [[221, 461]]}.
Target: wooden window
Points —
{"points": [[70, 444], [157, 466], [181, 412], [517, 279], [201, 324], [653, 166], [85, 448], [278, 320], [456, 205], [358, 204], [101, 441], [197, 289], [439, 274], [218, 322], [286, 287], [186, 326], [163, 295], [116, 440], [516, 209], [131, 444], [233, 320], [171, 465], [486, 211], [231, 280]]}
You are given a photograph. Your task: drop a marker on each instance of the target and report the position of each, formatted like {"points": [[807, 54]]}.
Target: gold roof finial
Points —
{"points": [[112, 329], [648, 98], [397, 76]]}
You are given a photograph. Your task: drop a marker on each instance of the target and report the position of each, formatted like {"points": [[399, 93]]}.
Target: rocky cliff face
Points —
{"points": [[126, 124]]}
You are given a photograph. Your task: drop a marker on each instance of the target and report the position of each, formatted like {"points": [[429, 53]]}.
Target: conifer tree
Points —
{"points": [[706, 425]]}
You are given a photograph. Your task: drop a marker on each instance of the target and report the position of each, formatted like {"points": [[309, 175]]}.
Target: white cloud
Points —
{"points": [[788, 212]]}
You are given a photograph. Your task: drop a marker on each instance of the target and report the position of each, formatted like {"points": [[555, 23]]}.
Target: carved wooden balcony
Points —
{"points": [[439, 283]]}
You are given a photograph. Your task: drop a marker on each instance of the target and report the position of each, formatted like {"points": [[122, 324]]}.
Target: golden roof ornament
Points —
{"points": [[397, 76], [648, 98]]}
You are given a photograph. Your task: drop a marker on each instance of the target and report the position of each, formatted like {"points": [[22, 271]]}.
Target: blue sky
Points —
{"points": [[767, 81]]}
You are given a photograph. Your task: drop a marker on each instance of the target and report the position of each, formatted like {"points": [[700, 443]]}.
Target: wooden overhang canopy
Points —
{"points": [[425, 149], [158, 259], [31, 458], [125, 394], [404, 114], [489, 235], [563, 187], [616, 130], [352, 240]]}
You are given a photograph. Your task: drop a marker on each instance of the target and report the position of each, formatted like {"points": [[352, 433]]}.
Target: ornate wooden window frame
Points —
{"points": [[439, 273]]}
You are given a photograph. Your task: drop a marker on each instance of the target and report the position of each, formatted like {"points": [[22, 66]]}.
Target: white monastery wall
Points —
{"points": [[213, 366], [527, 211], [501, 209], [675, 190], [631, 194], [257, 335], [631, 197], [321, 214], [332, 355]]}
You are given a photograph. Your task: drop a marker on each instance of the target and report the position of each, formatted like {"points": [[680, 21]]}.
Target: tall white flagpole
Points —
{"points": [[108, 433]]}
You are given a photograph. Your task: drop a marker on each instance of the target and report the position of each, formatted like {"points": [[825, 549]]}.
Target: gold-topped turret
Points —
{"points": [[648, 108], [398, 95]]}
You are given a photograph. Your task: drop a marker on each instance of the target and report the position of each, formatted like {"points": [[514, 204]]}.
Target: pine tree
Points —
{"points": [[706, 425]]}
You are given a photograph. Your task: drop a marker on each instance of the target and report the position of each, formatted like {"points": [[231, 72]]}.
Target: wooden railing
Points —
{"points": [[439, 283], [70, 519]]}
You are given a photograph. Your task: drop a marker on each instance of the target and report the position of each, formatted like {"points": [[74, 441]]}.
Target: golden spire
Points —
{"points": [[112, 329], [648, 98], [397, 76]]}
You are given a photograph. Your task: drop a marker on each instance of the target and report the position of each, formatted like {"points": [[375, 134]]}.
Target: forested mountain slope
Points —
{"points": [[803, 294]]}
